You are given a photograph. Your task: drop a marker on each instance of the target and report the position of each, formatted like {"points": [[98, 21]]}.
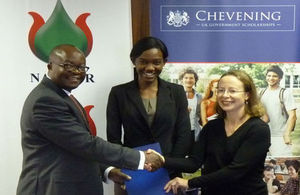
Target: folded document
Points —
{"points": [[144, 182]]}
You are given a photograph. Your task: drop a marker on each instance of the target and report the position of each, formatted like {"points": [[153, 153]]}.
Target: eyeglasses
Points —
{"points": [[221, 91], [73, 68]]}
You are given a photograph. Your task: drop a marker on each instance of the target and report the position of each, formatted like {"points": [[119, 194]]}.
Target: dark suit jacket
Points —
{"points": [[60, 156], [171, 124]]}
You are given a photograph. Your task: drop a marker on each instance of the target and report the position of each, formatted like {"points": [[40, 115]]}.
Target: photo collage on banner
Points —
{"points": [[258, 37]]}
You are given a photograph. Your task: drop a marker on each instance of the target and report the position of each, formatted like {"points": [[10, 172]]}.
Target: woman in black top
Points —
{"points": [[149, 109], [231, 150]]}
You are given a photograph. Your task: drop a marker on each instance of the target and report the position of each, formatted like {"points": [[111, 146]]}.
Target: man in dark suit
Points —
{"points": [[60, 156]]}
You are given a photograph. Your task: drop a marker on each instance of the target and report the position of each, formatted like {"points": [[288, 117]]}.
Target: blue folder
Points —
{"points": [[144, 182]]}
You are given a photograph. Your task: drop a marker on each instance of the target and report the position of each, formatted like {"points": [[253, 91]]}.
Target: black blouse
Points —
{"points": [[230, 165]]}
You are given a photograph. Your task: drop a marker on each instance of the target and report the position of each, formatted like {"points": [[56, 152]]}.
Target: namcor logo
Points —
{"points": [[60, 29], [228, 18]]}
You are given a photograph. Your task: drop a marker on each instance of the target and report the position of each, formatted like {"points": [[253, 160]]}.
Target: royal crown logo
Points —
{"points": [[177, 19]]}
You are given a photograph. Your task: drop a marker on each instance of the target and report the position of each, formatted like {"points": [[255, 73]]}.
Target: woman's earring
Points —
{"points": [[246, 102]]}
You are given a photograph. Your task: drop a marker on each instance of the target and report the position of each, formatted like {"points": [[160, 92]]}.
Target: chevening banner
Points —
{"points": [[227, 30], [208, 38]]}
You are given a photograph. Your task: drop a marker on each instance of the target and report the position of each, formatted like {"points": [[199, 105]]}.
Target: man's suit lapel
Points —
{"points": [[48, 83], [133, 94]]}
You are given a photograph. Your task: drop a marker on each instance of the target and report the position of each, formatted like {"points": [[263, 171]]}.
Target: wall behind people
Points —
{"points": [[109, 22]]}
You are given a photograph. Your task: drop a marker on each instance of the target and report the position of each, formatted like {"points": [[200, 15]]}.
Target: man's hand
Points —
{"points": [[118, 177], [153, 160]]}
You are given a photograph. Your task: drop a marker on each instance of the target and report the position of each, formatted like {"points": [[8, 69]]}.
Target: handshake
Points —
{"points": [[153, 161]]}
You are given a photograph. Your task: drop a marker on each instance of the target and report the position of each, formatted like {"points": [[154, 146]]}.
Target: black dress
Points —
{"points": [[230, 165]]}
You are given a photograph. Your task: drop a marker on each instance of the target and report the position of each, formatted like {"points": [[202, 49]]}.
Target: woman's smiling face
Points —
{"points": [[149, 65], [231, 94]]}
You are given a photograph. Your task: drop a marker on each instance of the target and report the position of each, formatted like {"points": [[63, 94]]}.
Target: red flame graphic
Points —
{"points": [[81, 23], [37, 24], [90, 120]]}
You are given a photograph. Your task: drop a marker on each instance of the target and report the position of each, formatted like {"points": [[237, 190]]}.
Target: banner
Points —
{"points": [[211, 37], [228, 31]]}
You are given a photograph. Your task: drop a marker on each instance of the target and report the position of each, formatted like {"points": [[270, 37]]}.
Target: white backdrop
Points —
{"points": [[110, 24]]}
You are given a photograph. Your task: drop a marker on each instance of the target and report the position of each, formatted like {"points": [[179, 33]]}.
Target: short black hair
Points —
{"points": [[273, 161], [269, 168], [188, 71], [293, 163], [276, 69], [145, 44]]}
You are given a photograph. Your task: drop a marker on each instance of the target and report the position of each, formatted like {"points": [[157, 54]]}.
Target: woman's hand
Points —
{"points": [[176, 183]]}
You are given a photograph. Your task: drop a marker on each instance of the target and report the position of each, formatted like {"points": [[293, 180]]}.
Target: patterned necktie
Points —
{"points": [[79, 107]]}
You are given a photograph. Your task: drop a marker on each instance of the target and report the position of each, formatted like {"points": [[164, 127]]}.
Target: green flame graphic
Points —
{"points": [[59, 29]]}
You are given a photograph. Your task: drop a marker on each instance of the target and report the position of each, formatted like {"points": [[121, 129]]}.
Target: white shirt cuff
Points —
{"points": [[106, 172], [142, 160], [140, 167]]}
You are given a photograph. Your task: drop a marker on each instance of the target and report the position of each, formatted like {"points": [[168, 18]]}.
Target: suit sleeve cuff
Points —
{"points": [[194, 183]]}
